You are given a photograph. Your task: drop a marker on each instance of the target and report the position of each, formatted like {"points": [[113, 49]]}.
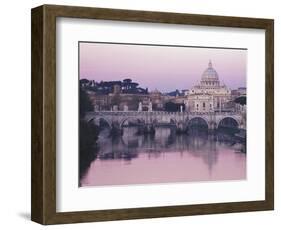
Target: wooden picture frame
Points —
{"points": [[43, 208]]}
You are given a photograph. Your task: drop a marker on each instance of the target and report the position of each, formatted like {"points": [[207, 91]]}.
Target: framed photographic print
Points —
{"points": [[140, 114]]}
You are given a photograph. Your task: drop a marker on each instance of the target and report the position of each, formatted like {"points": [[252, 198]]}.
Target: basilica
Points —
{"points": [[210, 95]]}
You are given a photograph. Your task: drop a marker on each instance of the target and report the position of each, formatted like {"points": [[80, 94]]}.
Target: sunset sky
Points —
{"points": [[165, 68]]}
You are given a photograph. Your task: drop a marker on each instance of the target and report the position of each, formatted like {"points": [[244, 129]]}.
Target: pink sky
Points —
{"points": [[165, 68]]}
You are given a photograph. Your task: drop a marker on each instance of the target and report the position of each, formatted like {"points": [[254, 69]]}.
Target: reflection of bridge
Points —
{"points": [[181, 120], [130, 146]]}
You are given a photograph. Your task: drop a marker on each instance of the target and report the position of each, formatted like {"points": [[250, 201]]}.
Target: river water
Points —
{"points": [[165, 158]]}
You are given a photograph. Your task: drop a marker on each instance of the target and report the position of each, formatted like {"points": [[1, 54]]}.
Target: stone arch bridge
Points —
{"points": [[180, 120]]}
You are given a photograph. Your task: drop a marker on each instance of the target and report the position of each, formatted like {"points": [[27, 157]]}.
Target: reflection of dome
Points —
{"points": [[210, 76]]}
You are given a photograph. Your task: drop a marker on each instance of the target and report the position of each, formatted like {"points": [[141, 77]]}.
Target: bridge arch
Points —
{"points": [[228, 122], [122, 123], [99, 121], [198, 121], [173, 121], [211, 121]]}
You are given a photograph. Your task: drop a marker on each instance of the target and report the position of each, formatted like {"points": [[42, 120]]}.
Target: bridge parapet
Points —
{"points": [[120, 113]]}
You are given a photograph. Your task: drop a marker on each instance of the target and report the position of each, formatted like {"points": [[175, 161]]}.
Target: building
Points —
{"points": [[156, 99], [185, 92], [242, 91], [210, 95]]}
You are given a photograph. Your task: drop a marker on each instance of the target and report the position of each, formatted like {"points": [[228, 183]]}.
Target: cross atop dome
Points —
{"points": [[210, 64]]}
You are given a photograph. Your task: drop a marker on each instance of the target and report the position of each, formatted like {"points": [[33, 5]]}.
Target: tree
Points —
{"points": [[85, 104], [241, 100]]}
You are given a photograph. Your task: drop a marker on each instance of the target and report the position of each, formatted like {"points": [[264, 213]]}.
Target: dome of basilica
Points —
{"points": [[210, 73]]}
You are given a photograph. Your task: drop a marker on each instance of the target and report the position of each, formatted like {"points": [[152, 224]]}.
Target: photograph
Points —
{"points": [[161, 113]]}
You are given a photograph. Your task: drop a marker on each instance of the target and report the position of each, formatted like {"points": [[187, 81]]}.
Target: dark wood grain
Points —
{"points": [[37, 195], [269, 114], [43, 208]]}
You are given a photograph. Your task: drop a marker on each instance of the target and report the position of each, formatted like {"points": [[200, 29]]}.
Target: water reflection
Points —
{"points": [[165, 157]]}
